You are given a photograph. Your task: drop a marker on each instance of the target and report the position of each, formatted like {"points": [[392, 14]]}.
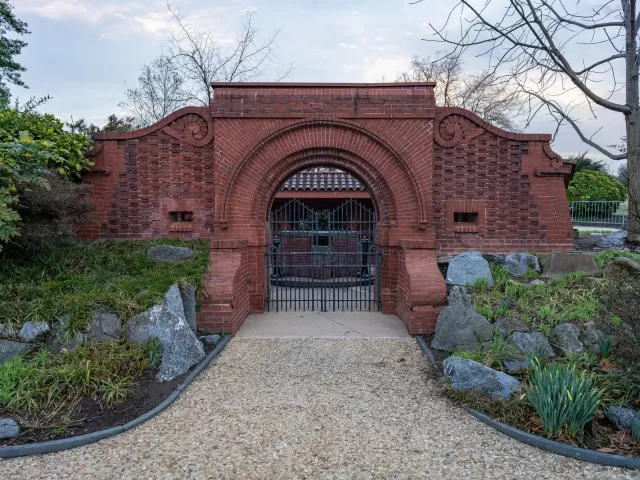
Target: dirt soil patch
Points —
{"points": [[91, 416]]}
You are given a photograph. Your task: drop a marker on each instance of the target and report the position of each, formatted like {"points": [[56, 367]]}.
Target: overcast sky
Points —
{"points": [[83, 52]]}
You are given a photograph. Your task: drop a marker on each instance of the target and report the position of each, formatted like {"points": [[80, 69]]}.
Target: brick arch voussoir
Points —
{"points": [[380, 191], [373, 154]]}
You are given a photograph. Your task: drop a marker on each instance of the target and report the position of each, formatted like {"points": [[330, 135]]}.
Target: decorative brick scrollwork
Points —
{"points": [[193, 128], [452, 129]]}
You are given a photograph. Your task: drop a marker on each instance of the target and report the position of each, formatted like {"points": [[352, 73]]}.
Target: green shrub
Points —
{"points": [[30, 145], [595, 186], [563, 397]]}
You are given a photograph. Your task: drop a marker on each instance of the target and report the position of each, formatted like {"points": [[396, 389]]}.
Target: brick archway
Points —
{"points": [[251, 187], [244, 200], [220, 166]]}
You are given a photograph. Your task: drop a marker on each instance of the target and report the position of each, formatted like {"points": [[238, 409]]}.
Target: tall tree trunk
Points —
{"points": [[633, 124]]}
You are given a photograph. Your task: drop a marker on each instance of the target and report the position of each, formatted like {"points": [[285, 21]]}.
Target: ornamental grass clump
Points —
{"points": [[563, 397]]}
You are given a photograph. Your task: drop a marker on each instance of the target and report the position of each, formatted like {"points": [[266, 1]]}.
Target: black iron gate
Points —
{"points": [[323, 260]]}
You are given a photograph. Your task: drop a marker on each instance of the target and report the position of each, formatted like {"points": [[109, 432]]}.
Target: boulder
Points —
{"points": [[59, 341], [10, 350], [529, 342], [560, 263], [623, 417], [180, 347], [613, 240], [184, 351], [31, 331], [566, 336], [461, 328], [514, 366], [211, 340], [173, 300], [521, 263], [469, 376], [624, 267], [188, 295], [169, 253], [591, 336], [105, 325], [8, 428], [507, 325], [458, 294], [467, 268]]}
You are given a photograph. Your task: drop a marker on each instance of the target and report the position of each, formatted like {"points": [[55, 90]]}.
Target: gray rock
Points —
{"points": [[60, 342], [514, 366], [461, 328], [623, 417], [528, 342], [507, 325], [591, 336], [469, 376], [10, 350], [105, 325], [566, 337], [168, 253], [467, 268], [520, 263], [494, 258], [458, 294], [180, 347], [189, 303], [613, 240], [212, 340], [31, 331], [536, 282], [8, 428], [180, 355], [560, 263], [173, 300]]}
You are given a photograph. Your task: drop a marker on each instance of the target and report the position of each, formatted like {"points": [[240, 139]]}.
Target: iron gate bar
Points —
{"points": [[321, 259]]}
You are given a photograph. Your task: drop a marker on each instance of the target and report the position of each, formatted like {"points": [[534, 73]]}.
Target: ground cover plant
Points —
{"points": [[565, 398], [68, 282], [105, 383], [542, 306]]}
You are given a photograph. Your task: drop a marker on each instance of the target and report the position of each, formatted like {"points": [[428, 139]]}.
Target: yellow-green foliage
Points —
{"points": [[569, 298], [102, 371]]}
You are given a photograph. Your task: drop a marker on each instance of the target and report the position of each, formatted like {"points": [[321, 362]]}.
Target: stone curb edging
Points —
{"points": [[80, 440], [542, 443]]}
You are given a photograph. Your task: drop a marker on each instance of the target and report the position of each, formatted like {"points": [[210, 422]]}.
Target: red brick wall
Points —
{"points": [[422, 166]]}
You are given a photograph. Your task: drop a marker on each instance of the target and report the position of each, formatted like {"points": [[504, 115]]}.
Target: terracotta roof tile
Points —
{"points": [[322, 181]]}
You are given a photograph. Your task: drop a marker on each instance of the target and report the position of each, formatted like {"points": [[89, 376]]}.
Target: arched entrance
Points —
{"points": [[401, 229], [441, 180]]}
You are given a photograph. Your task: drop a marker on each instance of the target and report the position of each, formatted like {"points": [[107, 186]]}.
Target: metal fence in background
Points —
{"points": [[600, 214]]}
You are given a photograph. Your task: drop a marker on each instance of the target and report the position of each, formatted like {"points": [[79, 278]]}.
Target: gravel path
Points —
{"points": [[311, 408]]}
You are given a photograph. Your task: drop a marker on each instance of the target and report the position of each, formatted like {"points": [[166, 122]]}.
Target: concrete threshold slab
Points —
{"points": [[323, 325]]}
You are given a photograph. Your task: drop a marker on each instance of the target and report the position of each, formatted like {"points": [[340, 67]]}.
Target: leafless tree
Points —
{"points": [[477, 93], [158, 92], [546, 48], [201, 60]]}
